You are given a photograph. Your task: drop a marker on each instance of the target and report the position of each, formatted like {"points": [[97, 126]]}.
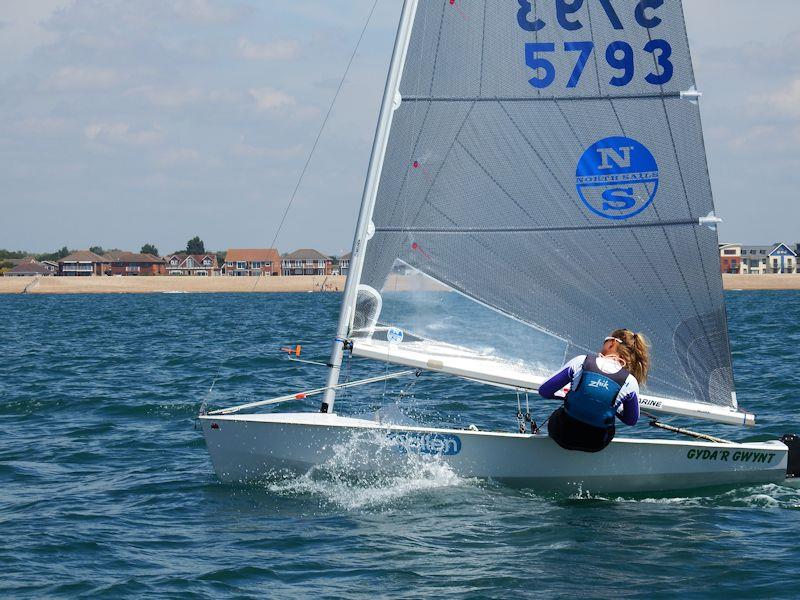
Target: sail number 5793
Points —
{"points": [[619, 55]]}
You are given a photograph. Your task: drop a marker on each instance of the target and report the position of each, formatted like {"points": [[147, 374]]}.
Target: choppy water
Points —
{"points": [[106, 489]]}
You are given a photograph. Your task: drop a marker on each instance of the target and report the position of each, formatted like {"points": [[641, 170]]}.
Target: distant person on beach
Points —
{"points": [[603, 387]]}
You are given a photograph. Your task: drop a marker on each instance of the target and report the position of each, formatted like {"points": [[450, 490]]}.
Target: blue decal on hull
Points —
{"points": [[441, 444]]}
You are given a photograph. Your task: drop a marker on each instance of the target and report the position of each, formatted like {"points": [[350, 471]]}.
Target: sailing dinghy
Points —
{"points": [[538, 178]]}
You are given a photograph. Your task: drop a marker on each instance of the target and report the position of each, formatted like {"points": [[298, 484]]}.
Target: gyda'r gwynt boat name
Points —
{"points": [[728, 456]]}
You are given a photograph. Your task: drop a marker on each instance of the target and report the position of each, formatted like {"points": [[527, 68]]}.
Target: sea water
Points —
{"points": [[106, 489]]}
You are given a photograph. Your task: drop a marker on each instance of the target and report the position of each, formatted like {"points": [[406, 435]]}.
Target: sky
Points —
{"points": [[154, 121]]}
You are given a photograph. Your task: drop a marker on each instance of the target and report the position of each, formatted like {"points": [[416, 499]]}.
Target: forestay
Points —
{"points": [[546, 161]]}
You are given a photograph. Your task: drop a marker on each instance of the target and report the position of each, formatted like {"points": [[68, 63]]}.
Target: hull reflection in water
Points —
{"points": [[248, 447]]}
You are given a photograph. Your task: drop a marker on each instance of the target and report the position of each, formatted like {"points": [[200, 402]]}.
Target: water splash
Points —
{"points": [[368, 471]]}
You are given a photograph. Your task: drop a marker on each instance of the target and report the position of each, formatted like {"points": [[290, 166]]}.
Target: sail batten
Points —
{"points": [[546, 165]]}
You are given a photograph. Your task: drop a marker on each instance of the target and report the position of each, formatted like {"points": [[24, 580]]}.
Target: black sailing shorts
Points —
{"points": [[572, 434]]}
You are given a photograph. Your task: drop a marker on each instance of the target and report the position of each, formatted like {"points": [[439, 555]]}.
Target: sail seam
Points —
{"points": [[454, 230], [697, 240], [554, 177], [537, 98], [558, 182], [644, 289], [656, 272]]}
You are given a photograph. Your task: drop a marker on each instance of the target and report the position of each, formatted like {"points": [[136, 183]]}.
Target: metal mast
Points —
{"points": [[391, 100]]}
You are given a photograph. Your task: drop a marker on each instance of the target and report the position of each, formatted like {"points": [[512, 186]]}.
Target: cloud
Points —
{"points": [[167, 97], [242, 148], [185, 157], [179, 156], [783, 102], [177, 97], [41, 126], [83, 77], [277, 50], [269, 99], [202, 11], [121, 134]]}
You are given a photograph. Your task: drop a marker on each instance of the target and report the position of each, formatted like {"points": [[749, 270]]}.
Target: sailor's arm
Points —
{"points": [[550, 388], [628, 409]]}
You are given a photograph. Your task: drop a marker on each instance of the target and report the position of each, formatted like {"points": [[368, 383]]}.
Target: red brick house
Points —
{"points": [[133, 263], [730, 258], [306, 261], [83, 263], [252, 261], [202, 265]]}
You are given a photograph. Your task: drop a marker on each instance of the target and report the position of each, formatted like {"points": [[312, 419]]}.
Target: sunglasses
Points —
{"points": [[613, 339]]}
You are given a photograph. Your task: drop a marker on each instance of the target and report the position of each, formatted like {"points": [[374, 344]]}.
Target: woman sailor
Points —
{"points": [[602, 388]]}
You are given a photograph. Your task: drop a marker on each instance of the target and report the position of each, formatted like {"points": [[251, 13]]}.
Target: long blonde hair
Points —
{"points": [[635, 351]]}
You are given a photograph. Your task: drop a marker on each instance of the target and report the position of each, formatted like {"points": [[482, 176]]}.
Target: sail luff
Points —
{"points": [[389, 104]]}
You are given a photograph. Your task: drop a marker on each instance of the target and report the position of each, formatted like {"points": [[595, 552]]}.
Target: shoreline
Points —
{"points": [[169, 284], [297, 283], [761, 282]]}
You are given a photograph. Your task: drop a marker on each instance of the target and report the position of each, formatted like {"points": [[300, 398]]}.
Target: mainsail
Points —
{"points": [[546, 161]]}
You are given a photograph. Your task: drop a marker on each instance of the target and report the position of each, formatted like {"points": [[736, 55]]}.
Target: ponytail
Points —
{"points": [[635, 350]]}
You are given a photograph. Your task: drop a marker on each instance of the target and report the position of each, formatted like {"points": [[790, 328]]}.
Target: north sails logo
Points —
{"points": [[621, 158], [617, 178]]}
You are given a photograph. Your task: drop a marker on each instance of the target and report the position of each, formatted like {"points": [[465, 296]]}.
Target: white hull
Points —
{"points": [[246, 447]]}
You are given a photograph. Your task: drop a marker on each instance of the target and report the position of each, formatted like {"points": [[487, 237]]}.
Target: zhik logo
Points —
{"points": [[599, 383]]}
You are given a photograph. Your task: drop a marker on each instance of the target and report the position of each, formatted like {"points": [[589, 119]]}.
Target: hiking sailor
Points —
{"points": [[602, 388]]}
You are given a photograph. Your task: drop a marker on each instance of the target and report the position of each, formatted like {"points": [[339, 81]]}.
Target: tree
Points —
{"points": [[221, 258], [97, 250], [149, 249], [195, 246], [13, 254], [54, 256]]}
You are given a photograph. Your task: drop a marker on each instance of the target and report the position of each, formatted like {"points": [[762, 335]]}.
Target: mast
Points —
{"points": [[391, 98]]}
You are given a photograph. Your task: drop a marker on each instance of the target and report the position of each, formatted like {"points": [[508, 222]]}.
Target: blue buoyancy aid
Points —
{"points": [[593, 400]]}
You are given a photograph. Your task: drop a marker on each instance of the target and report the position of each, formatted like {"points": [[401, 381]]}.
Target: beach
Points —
{"points": [[166, 284], [761, 282], [299, 283]]}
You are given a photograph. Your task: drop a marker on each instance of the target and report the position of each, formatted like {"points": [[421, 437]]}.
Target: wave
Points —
{"points": [[771, 495]]}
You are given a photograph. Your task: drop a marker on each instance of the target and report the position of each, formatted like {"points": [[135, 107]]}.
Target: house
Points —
{"points": [[83, 263], [782, 259], [29, 270], [50, 265], [754, 259], [20, 261], [344, 264], [133, 263], [252, 261], [730, 258], [203, 265], [762, 260], [306, 261]]}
